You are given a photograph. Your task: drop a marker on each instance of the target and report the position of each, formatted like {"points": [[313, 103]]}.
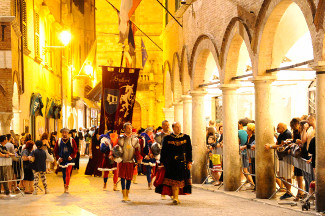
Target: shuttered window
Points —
{"points": [[37, 35], [24, 24]]}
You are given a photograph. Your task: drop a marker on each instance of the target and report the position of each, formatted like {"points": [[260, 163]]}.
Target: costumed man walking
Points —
{"points": [[65, 151], [130, 148], [161, 170], [148, 159], [108, 164], [176, 157], [76, 139]]}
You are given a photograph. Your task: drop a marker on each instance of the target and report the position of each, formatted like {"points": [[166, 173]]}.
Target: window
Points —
{"points": [[177, 4], [37, 36], [166, 13], [24, 24], [14, 8]]}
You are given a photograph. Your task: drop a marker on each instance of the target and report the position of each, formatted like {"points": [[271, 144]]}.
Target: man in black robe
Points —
{"points": [[176, 156]]}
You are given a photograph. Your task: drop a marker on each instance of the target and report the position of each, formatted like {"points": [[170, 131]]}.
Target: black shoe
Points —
{"points": [[285, 196]]}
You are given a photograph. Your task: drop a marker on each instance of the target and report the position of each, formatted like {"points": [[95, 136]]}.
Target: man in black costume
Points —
{"points": [[176, 156]]}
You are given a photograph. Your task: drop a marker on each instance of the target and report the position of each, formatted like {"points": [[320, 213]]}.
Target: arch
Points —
{"points": [[168, 84], [203, 46], [266, 26], [237, 33], [16, 79], [177, 85], [184, 71], [184, 62]]}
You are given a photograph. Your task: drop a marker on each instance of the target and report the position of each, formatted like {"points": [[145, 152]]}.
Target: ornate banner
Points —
{"points": [[119, 87]]}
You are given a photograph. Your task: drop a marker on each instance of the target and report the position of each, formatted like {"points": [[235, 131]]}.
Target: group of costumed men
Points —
{"points": [[168, 157]]}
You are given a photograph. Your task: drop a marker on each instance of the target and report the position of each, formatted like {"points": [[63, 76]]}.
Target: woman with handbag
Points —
{"points": [[294, 124]]}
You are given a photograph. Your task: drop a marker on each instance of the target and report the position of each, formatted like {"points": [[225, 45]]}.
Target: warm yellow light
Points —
{"points": [[65, 37], [88, 69]]}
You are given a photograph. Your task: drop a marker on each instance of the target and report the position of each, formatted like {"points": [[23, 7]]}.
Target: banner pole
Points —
{"points": [[122, 59]]}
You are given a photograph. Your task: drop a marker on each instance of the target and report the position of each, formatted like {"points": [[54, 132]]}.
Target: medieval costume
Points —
{"points": [[160, 170], [65, 151], [95, 156], [108, 164], [148, 160], [176, 154], [130, 148], [76, 139]]}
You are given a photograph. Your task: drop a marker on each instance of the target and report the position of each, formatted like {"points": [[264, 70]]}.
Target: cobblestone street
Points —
{"points": [[86, 197]]}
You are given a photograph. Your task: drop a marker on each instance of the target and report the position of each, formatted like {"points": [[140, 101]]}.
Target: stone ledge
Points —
{"points": [[248, 196]]}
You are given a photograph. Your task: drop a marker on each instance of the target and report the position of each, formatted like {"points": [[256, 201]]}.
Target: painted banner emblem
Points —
{"points": [[111, 100]]}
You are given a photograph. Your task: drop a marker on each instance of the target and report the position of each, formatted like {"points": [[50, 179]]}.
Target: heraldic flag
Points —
{"points": [[119, 87], [144, 53], [127, 9]]}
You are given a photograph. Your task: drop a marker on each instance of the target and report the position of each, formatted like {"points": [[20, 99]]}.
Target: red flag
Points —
{"points": [[134, 7], [126, 11], [132, 30]]}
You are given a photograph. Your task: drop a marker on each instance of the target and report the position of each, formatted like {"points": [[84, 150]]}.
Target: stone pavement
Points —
{"points": [[86, 197]]}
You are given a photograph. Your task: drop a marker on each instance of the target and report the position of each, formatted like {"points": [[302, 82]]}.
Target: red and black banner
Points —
{"points": [[119, 87]]}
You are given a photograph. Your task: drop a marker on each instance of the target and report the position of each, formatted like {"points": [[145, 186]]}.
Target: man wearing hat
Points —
{"points": [[66, 150]]}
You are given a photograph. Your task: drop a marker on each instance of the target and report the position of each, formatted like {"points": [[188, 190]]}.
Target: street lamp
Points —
{"points": [[65, 37], [89, 70]]}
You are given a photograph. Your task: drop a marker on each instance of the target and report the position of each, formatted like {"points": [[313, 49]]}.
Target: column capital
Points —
{"points": [[168, 109], [318, 66], [263, 79], [179, 103], [186, 98], [226, 87], [198, 93]]}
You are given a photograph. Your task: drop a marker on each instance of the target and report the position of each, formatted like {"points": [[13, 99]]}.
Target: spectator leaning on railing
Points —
{"points": [[3, 169], [285, 170], [242, 135]]}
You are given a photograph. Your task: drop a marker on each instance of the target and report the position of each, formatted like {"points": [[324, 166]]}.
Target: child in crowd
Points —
{"points": [[215, 159], [39, 166]]}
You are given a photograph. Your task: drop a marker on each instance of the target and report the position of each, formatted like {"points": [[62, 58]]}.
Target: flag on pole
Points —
{"points": [[127, 9], [144, 53], [132, 30]]}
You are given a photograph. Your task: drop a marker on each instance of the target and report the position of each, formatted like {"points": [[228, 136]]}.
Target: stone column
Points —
{"points": [[264, 134], [231, 161], [169, 114], [199, 171], [152, 107], [5, 119], [178, 112], [187, 114], [320, 136]]}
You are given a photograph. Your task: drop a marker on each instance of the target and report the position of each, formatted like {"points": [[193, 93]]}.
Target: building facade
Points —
{"points": [[225, 47], [43, 69], [148, 110]]}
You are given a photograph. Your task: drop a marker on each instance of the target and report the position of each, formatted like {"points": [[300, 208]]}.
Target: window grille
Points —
{"points": [[37, 35], [24, 24]]}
